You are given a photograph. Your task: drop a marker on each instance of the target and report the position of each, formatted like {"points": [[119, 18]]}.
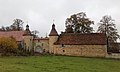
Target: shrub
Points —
{"points": [[8, 45]]}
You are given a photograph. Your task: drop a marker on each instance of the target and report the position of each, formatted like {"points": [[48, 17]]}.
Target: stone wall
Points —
{"points": [[28, 42], [44, 44], [81, 50], [52, 40]]}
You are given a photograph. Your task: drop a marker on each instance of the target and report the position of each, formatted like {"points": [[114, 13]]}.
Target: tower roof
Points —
{"points": [[27, 25], [53, 31], [27, 31]]}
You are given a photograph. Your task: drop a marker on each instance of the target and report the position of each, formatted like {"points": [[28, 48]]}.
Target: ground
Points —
{"points": [[58, 64]]}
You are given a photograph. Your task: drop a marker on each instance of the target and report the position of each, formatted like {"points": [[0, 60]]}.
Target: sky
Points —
{"points": [[39, 14]]}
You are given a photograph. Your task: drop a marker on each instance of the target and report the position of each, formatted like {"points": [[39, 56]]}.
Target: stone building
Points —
{"points": [[38, 45], [76, 44], [73, 44], [41, 45]]}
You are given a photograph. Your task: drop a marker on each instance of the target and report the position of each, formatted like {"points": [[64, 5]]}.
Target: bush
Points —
{"points": [[8, 45]]}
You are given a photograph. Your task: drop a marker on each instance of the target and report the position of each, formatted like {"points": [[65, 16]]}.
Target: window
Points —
{"points": [[63, 50], [63, 45]]}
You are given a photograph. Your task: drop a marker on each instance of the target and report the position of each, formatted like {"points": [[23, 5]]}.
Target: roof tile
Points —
{"points": [[82, 39], [18, 35]]}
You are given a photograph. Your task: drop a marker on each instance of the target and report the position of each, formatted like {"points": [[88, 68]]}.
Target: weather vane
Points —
{"points": [[53, 21], [27, 22]]}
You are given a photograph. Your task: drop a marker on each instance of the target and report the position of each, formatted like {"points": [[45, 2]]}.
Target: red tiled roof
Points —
{"points": [[18, 35], [82, 39]]}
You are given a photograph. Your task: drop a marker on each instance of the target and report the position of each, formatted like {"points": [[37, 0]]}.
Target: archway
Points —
{"points": [[39, 49]]}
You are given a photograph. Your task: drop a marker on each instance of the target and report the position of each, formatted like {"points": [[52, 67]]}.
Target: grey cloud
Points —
{"points": [[40, 13]]}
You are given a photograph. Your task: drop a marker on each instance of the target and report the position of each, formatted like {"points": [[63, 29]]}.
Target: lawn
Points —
{"points": [[58, 64]]}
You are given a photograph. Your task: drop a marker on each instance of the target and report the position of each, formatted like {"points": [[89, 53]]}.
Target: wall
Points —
{"points": [[52, 40], [28, 42], [81, 50], [44, 44]]}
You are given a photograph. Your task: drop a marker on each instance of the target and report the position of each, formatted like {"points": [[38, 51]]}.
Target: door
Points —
{"points": [[39, 49]]}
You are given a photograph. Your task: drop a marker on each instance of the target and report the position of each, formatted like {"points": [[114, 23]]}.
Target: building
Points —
{"points": [[73, 44], [18, 35], [76, 44]]}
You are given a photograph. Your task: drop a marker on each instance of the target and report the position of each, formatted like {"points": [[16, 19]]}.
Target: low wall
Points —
{"points": [[113, 55]]}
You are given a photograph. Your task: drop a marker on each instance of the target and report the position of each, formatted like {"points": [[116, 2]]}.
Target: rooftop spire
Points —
{"points": [[27, 31], [53, 31], [53, 21], [27, 27]]}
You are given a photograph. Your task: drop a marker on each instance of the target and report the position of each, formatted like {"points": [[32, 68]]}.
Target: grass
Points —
{"points": [[58, 64]]}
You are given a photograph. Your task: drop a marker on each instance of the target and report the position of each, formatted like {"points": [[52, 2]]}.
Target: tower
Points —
{"points": [[28, 39], [53, 36]]}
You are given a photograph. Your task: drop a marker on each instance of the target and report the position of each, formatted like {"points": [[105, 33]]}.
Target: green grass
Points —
{"points": [[58, 64]]}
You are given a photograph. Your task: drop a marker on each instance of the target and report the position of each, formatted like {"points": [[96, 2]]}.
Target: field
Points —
{"points": [[58, 64]]}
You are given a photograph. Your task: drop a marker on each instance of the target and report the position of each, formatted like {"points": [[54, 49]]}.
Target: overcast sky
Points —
{"points": [[40, 13]]}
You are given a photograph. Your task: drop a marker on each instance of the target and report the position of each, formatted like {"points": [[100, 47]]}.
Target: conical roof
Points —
{"points": [[53, 31], [27, 31]]}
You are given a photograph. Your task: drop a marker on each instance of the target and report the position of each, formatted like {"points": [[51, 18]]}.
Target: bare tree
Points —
{"points": [[2, 28], [7, 28], [35, 32], [79, 23], [107, 26], [17, 25]]}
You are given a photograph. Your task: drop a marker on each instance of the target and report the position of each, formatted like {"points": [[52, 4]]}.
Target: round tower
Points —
{"points": [[28, 39], [53, 36]]}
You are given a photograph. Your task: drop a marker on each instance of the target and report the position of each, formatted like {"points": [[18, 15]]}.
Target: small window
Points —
{"points": [[63, 45]]}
